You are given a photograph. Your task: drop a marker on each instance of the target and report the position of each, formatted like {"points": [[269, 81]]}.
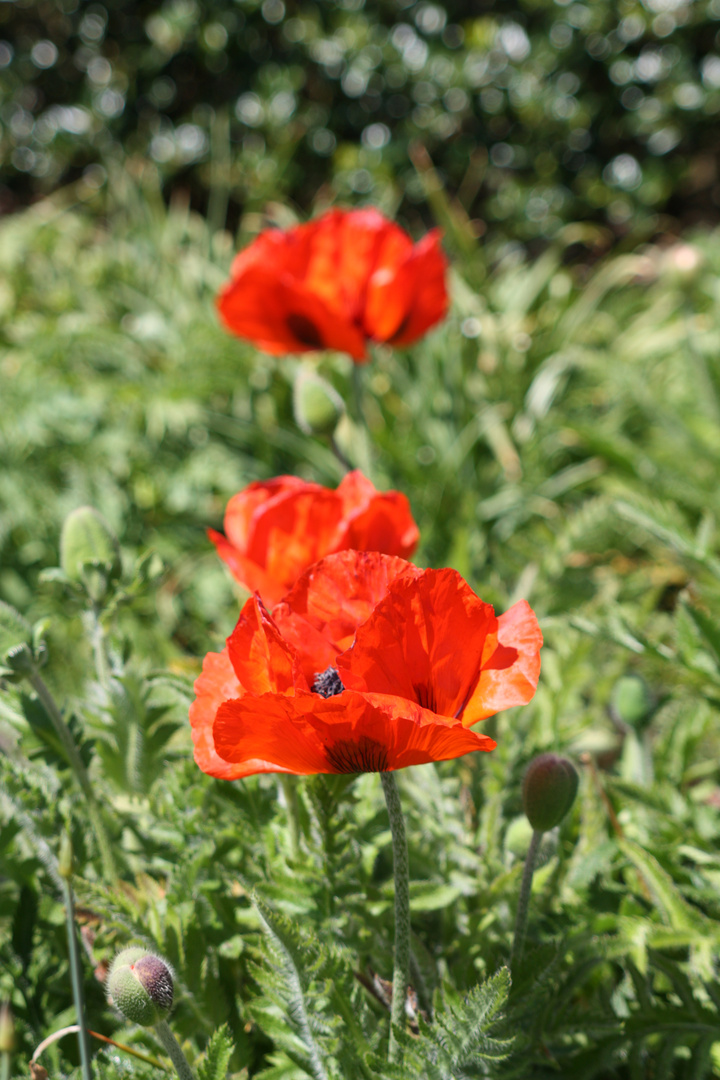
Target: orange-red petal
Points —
{"points": [[275, 530], [217, 683], [405, 300], [320, 615], [281, 315], [428, 642], [346, 733], [510, 672], [263, 661]]}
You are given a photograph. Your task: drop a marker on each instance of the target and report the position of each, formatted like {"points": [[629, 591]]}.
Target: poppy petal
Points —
{"points": [[247, 573], [296, 531], [321, 613], [342, 734], [510, 674], [424, 642], [277, 531], [247, 506], [405, 302], [280, 315], [215, 685], [263, 662]]}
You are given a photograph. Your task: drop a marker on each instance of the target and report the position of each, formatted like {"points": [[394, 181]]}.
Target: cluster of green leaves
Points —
{"points": [[537, 112], [557, 438]]}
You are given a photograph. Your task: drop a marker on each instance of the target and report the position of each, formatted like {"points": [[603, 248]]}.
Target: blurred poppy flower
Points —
{"points": [[275, 529], [347, 278], [368, 665]]}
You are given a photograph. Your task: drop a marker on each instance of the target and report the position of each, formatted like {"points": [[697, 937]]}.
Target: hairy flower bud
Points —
{"points": [[140, 985], [549, 790], [317, 405], [89, 551]]}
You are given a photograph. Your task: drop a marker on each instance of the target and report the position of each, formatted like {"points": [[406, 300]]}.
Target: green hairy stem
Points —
{"points": [[402, 908]]}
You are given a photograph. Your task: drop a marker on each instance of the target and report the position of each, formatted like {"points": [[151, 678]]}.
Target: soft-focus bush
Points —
{"points": [[534, 112]]}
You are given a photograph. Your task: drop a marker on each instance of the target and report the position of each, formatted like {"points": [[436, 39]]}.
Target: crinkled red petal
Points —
{"points": [[321, 613]]}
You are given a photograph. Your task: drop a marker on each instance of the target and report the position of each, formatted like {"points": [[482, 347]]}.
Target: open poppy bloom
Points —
{"points": [[368, 665], [275, 529], [349, 277]]}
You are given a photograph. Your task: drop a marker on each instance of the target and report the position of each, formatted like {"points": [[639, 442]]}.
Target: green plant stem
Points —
{"points": [[172, 1046], [97, 640], [524, 899], [289, 787], [76, 978], [401, 874], [78, 766], [5, 1065]]}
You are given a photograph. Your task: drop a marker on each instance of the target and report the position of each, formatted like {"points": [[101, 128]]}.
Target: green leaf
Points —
{"points": [[217, 1056]]}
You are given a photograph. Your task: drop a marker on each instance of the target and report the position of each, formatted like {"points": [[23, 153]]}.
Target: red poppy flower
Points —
{"points": [[275, 529], [368, 665], [349, 277]]}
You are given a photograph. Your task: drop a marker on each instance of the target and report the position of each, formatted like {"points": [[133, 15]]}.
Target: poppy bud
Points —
{"points": [[15, 638], [140, 985], [317, 405], [549, 790], [631, 703], [89, 551]]}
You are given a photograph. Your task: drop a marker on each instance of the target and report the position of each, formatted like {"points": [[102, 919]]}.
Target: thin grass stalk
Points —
{"points": [[401, 874], [76, 978]]}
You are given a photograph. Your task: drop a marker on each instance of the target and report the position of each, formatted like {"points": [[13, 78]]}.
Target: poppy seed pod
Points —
{"points": [[140, 985], [549, 790]]}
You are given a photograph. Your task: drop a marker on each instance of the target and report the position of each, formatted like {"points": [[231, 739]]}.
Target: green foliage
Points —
{"points": [[217, 1055], [558, 440], [535, 112]]}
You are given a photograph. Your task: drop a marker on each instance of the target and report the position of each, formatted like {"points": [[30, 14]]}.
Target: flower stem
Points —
{"points": [[78, 766], [5, 1065], [523, 900], [76, 978], [172, 1046], [402, 909]]}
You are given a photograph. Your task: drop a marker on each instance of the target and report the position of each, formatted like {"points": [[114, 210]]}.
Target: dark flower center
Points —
{"points": [[327, 683], [305, 331], [361, 755]]}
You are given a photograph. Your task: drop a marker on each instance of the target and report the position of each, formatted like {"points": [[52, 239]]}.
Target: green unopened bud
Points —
{"points": [[317, 405], [631, 702], [15, 642], [89, 551], [549, 790], [140, 985], [518, 836], [7, 1030]]}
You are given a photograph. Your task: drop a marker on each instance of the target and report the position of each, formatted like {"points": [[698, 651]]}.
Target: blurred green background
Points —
{"points": [[535, 112]]}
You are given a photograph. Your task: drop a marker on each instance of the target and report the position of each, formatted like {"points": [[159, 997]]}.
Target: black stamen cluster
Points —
{"points": [[327, 683]]}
